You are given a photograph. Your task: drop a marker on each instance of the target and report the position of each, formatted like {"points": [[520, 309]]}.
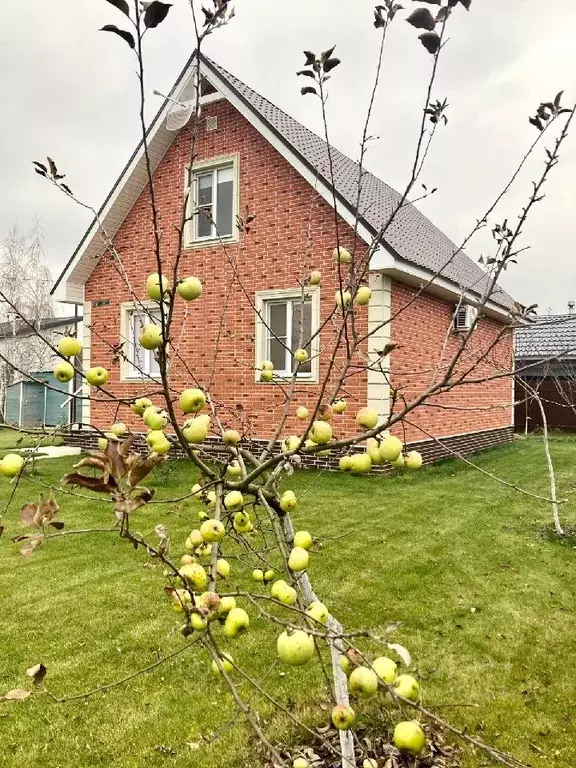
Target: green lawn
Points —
{"points": [[485, 597], [12, 440]]}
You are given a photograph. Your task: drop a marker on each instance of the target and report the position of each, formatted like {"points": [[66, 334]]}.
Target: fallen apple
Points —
{"points": [[343, 717], [212, 530], [222, 568], [385, 668], [317, 611], [407, 687], [225, 663], [237, 621], [363, 682], [303, 539], [298, 559]]}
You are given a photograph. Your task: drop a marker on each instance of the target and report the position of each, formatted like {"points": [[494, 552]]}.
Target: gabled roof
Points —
{"points": [[21, 328], [549, 336], [411, 239]]}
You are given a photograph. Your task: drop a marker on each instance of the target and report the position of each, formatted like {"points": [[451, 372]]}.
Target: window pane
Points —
{"points": [[204, 189], [204, 222], [135, 352], [302, 324], [276, 334], [224, 201]]}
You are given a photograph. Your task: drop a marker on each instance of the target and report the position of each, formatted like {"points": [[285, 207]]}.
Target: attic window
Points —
{"points": [[206, 88], [464, 317], [213, 201]]}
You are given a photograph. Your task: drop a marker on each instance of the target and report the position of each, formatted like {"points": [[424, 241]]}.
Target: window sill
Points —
{"points": [[284, 379], [211, 242], [139, 379]]}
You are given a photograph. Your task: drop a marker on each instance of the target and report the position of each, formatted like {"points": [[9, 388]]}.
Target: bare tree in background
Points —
{"points": [[26, 282]]}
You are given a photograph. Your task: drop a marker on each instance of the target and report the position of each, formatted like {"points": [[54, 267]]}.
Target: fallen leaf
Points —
{"points": [[18, 694]]}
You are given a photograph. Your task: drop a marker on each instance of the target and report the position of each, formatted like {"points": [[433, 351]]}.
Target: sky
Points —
{"points": [[70, 91]]}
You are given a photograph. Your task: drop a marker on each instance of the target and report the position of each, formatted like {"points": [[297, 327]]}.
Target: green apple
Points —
{"points": [[277, 588], [258, 574], [204, 418], [194, 430], [181, 600], [399, 463], [407, 687], [233, 501], [198, 622], [234, 470], [269, 575], [189, 288], [300, 762], [409, 738], [315, 277], [267, 365], [361, 463], [266, 376], [194, 575], [340, 405], [242, 522], [390, 448], [211, 498], [222, 568], [161, 446], [96, 376], [139, 406], [102, 443], [156, 287], [370, 762], [320, 432], [187, 560], [212, 530], [285, 594], [290, 444], [192, 400], [346, 463], [196, 538], [342, 298], [298, 559], [196, 490], [312, 444], [288, 501], [204, 552], [373, 450], [342, 255], [155, 417], [317, 611], [225, 663], [296, 648], [231, 437], [119, 428], [363, 682], [367, 418], [385, 668], [302, 413], [154, 436], [226, 604], [343, 717], [11, 465], [69, 346], [413, 460], [301, 355], [237, 621], [303, 539], [63, 372], [363, 295], [150, 336]]}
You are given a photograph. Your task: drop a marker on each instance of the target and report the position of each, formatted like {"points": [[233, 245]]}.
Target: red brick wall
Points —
{"points": [[422, 330], [293, 232]]}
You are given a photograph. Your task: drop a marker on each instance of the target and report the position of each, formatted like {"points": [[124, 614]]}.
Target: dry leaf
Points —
{"points": [[18, 694]]}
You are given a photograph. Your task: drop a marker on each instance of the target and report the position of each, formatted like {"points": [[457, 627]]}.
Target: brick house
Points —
{"points": [[251, 156]]}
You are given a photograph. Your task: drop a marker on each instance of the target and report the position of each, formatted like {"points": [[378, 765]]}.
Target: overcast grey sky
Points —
{"points": [[70, 91]]}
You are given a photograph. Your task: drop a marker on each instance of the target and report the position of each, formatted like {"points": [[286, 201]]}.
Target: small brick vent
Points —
{"points": [[211, 123], [431, 450]]}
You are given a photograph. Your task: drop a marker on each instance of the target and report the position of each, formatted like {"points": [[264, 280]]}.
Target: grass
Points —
{"points": [[485, 595], [12, 440]]}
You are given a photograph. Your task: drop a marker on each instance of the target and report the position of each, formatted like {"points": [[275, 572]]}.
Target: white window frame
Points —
{"points": [[263, 301], [191, 240], [128, 372]]}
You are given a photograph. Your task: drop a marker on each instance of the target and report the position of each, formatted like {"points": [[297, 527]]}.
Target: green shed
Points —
{"points": [[31, 404]]}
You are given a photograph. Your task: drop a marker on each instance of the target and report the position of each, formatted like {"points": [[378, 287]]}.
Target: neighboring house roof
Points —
{"points": [[412, 239], [547, 337], [21, 328]]}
